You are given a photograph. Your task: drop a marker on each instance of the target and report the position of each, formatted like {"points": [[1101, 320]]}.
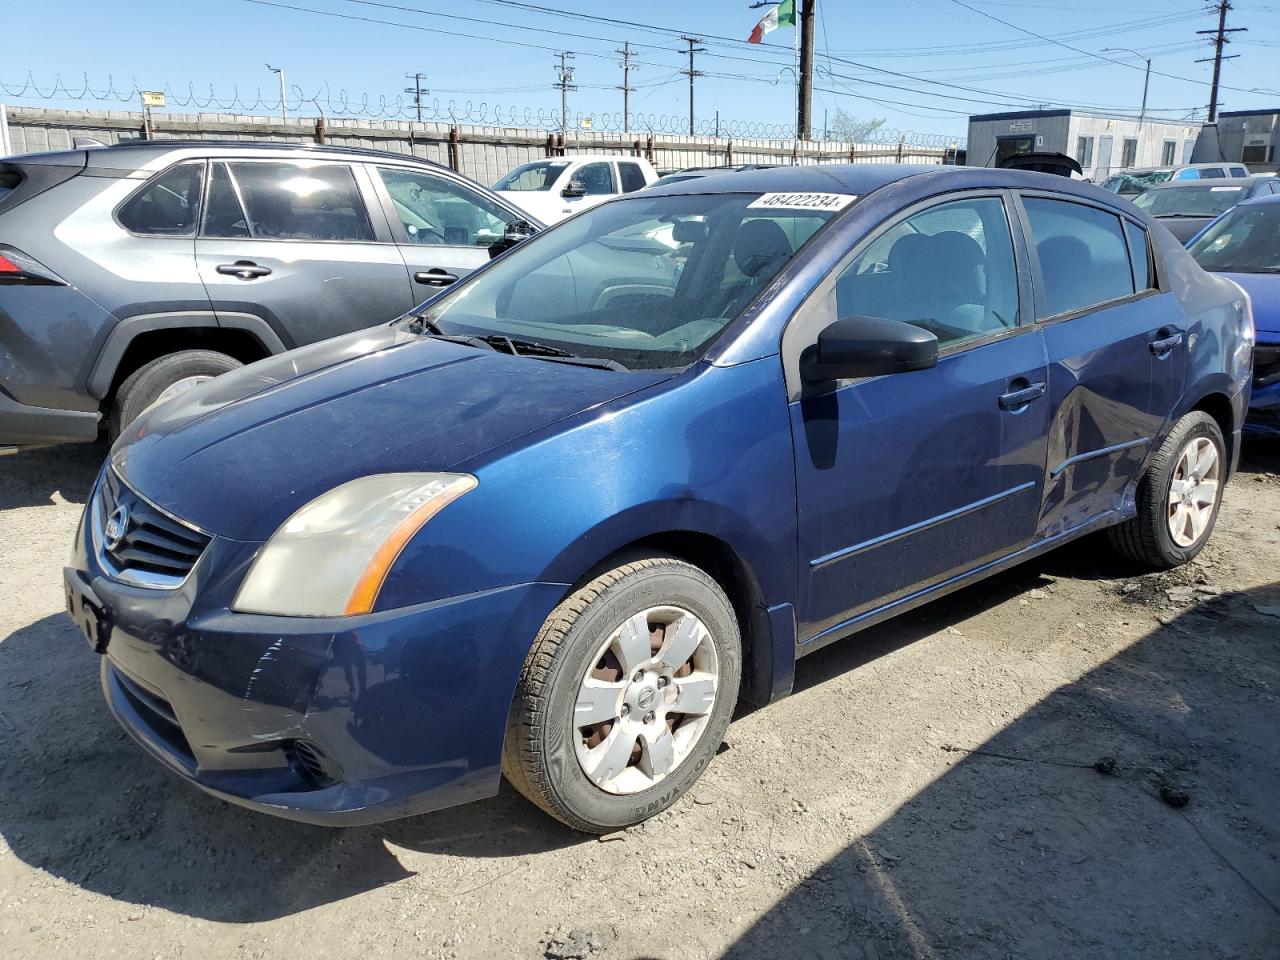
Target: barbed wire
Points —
{"points": [[345, 105]]}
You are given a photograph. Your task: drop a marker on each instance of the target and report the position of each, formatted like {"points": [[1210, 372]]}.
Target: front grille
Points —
{"points": [[1266, 366], [137, 542], [310, 763], [155, 711]]}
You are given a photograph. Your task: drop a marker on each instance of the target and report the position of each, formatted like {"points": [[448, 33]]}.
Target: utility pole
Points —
{"points": [[691, 73], [804, 106], [1220, 39], [626, 88], [564, 85], [284, 110], [1146, 79], [417, 90]]}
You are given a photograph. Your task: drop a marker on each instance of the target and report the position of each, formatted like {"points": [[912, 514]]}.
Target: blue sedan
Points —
{"points": [[1244, 244], [554, 524]]}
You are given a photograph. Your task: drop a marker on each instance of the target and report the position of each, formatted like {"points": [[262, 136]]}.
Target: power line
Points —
{"points": [[1219, 41]]}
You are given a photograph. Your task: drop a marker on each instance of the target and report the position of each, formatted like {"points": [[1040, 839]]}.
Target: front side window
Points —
{"points": [[648, 281], [949, 269], [539, 175], [439, 212], [1191, 173], [1246, 240], [300, 201], [1190, 201], [596, 178], [1083, 257], [169, 205], [632, 177], [1212, 173]]}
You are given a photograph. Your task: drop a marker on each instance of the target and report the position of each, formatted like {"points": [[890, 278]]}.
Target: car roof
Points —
{"points": [[1212, 182], [1265, 198]]}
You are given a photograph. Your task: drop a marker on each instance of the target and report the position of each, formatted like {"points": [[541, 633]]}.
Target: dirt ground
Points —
{"points": [[1066, 760]]}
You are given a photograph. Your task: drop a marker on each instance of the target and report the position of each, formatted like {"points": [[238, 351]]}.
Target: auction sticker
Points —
{"points": [[802, 201]]}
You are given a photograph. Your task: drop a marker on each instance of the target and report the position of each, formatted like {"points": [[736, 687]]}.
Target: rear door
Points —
{"points": [[293, 242], [443, 227], [1117, 354]]}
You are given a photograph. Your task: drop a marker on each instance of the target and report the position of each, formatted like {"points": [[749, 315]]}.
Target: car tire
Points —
{"points": [[1173, 520], [590, 653], [149, 382]]}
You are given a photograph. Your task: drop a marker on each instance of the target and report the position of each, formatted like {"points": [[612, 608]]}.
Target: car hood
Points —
{"points": [[237, 456], [1264, 291]]}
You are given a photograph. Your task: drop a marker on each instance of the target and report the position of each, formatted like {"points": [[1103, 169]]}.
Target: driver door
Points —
{"points": [[908, 480], [443, 228]]}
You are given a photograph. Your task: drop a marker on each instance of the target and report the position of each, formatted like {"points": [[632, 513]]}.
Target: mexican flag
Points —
{"points": [[783, 15]]}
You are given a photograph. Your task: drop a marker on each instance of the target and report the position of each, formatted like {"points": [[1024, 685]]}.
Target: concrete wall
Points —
{"points": [[1059, 131], [483, 153]]}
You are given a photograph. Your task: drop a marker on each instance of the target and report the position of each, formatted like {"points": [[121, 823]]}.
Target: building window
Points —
{"points": [[1084, 152], [1129, 153], [1166, 155]]}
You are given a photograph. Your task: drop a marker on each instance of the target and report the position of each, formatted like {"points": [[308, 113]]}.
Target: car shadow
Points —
{"points": [[80, 801], [1133, 806], [30, 478]]}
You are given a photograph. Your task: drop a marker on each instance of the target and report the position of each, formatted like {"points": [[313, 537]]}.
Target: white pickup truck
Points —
{"points": [[559, 187]]}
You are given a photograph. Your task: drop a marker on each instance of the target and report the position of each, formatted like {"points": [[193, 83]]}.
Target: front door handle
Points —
{"points": [[1021, 397], [244, 269], [435, 278], [1164, 345]]}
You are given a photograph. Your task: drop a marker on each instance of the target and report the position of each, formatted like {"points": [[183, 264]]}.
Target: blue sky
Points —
{"points": [[922, 66]]}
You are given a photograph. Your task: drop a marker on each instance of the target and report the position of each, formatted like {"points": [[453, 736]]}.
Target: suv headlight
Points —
{"points": [[330, 558]]}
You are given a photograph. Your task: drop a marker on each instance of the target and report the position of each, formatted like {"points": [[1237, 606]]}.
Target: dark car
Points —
{"points": [[693, 173], [131, 273], [1187, 206], [556, 523], [1244, 244]]}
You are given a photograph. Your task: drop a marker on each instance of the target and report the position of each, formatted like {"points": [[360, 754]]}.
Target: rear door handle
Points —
{"points": [[1020, 398], [243, 269], [435, 278], [1165, 344]]}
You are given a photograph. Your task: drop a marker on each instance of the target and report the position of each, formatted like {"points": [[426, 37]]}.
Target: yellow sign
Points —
{"points": [[586, 123], [152, 98]]}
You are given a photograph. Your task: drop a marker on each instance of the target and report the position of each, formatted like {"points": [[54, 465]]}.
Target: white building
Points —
{"points": [[1101, 143]]}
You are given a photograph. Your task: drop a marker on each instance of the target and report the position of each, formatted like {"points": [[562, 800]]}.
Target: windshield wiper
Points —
{"points": [[544, 351]]}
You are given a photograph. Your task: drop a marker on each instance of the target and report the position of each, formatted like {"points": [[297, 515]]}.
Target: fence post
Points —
{"points": [[648, 150], [454, 159], [729, 155], [551, 145], [901, 141], [320, 130], [635, 148]]}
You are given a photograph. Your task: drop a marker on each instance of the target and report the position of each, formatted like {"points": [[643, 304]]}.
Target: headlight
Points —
{"points": [[330, 558]]}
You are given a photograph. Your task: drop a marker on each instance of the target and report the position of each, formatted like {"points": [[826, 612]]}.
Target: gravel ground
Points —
{"points": [[1063, 761]]}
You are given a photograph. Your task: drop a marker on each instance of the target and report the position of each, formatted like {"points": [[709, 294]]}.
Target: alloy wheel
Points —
{"points": [[1193, 491]]}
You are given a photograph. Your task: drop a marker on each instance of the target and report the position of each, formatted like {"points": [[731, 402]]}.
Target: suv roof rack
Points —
{"points": [[175, 143]]}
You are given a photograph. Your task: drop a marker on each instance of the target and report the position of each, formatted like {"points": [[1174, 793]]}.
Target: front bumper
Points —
{"points": [[332, 721], [1263, 417], [25, 426]]}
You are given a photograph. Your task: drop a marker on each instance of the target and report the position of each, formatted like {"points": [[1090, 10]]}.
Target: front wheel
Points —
{"points": [[625, 695], [1178, 497]]}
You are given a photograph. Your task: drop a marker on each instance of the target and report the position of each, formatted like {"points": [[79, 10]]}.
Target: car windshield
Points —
{"points": [[1136, 182], [1197, 201], [1246, 240], [647, 282], [539, 175]]}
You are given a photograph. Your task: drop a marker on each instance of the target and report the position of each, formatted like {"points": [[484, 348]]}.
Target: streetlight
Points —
{"points": [[1145, 80], [279, 72]]}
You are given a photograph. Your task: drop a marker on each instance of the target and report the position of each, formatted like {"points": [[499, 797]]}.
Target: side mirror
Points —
{"points": [[867, 347], [518, 230], [576, 188]]}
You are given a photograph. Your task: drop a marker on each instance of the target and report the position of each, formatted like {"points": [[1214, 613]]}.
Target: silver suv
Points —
{"points": [[131, 273]]}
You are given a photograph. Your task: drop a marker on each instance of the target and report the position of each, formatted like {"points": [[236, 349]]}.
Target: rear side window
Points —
{"points": [[1239, 172], [1084, 260], [301, 201], [632, 177], [1140, 257], [223, 214], [168, 206]]}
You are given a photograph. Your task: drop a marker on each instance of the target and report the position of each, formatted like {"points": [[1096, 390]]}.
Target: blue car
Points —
{"points": [[1244, 244], [558, 521]]}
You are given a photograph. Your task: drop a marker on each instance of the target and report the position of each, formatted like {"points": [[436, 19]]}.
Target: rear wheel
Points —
{"points": [[625, 695], [163, 379], [1178, 496]]}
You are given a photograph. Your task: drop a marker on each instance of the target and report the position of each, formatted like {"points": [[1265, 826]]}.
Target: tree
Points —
{"points": [[849, 129]]}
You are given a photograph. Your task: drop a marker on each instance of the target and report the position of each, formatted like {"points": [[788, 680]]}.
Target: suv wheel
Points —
{"points": [[625, 695], [1178, 496], [163, 379]]}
